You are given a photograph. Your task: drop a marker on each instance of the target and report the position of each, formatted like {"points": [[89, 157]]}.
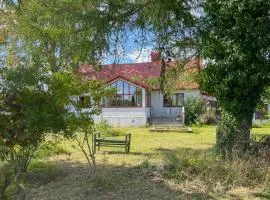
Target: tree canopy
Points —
{"points": [[235, 41]]}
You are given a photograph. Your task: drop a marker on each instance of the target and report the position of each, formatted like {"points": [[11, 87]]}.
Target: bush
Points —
{"points": [[208, 118], [48, 149], [106, 130], [194, 108]]}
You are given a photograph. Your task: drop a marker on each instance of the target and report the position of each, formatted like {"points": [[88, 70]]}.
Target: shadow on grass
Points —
{"points": [[165, 152], [110, 182], [130, 153]]}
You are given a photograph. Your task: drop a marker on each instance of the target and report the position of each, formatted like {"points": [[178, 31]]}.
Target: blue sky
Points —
{"points": [[132, 49]]}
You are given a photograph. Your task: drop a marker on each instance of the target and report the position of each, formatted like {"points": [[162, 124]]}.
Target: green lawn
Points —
{"points": [[147, 145], [121, 176]]}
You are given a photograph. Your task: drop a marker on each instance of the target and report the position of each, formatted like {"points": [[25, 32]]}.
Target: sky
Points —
{"points": [[132, 55], [132, 49]]}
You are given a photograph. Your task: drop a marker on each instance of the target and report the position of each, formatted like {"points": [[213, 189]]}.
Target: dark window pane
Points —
{"points": [[139, 100], [138, 91], [133, 100], [180, 99], [126, 100], [173, 100]]}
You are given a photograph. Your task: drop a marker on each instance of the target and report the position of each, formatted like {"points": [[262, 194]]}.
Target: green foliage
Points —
{"points": [[106, 130], [194, 108], [28, 109], [226, 135], [145, 164], [235, 41], [208, 118], [6, 179], [37, 104], [48, 149], [84, 31]]}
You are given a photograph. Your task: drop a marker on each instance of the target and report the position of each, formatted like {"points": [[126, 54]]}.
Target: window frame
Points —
{"points": [[125, 93], [177, 100]]}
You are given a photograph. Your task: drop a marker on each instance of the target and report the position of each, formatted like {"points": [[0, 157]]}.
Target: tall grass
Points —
{"points": [[49, 148], [207, 168]]}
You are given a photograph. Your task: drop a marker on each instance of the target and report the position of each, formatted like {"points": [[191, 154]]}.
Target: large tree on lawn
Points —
{"points": [[236, 45]]}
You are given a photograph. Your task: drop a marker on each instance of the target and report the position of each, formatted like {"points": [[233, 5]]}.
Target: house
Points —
{"points": [[137, 102]]}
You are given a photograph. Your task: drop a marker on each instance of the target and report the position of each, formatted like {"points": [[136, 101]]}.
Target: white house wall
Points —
{"points": [[124, 117], [157, 109]]}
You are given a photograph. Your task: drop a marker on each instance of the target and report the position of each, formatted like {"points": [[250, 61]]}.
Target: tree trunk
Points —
{"points": [[233, 135], [243, 137]]}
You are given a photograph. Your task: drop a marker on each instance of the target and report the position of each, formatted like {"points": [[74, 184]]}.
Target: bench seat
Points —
{"points": [[112, 142]]}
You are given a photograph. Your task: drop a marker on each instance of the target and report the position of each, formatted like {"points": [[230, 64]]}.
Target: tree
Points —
{"points": [[81, 121], [235, 40], [84, 31], [33, 104]]}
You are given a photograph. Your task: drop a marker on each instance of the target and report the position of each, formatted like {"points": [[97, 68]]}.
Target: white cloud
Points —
{"points": [[132, 56], [137, 56]]}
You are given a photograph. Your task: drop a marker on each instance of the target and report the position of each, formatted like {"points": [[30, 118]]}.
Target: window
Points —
{"points": [[173, 100], [127, 95]]}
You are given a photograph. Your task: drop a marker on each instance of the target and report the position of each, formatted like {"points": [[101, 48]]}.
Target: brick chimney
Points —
{"points": [[155, 56]]}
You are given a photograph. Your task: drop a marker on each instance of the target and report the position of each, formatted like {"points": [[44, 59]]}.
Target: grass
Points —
{"points": [[165, 165]]}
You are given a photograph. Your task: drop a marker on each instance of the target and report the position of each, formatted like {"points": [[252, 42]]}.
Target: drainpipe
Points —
{"points": [[143, 98], [183, 115]]}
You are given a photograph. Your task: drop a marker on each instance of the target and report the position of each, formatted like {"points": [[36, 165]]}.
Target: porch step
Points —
{"points": [[171, 129], [165, 121]]}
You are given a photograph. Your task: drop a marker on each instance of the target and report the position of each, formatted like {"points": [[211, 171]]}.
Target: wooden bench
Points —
{"points": [[111, 142]]}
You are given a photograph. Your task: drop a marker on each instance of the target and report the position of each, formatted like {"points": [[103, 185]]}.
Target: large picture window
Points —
{"points": [[127, 95], [173, 100]]}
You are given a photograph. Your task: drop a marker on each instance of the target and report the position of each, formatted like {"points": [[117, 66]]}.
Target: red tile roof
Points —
{"points": [[137, 73]]}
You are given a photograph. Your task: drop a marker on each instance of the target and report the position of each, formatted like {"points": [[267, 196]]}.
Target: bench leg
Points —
{"points": [[128, 148]]}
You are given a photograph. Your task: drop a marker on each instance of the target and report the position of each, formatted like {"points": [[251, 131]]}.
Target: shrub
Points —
{"points": [[208, 118], [194, 108], [48, 149], [106, 130]]}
